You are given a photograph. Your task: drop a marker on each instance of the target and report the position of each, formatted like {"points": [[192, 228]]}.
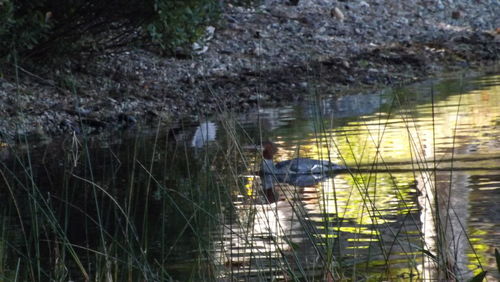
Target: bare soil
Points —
{"points": [[271, 54]]}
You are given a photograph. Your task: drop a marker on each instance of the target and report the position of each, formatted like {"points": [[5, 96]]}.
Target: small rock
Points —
{"points": [[254, 98], [209, 33], [440, 5], [126, 118], [258, 50], [231, 19], [199, 49], [346, 64], [82, 111], [337, 13], [455, 15]]}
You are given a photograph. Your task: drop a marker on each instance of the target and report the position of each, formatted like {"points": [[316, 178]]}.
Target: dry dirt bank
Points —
{"points": [[268, 54]]}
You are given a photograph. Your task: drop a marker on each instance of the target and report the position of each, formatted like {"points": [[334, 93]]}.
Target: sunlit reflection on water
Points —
{"points": [[419, 200]]}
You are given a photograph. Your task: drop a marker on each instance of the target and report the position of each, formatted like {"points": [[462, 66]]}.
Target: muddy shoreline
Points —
{"points": [[256, 56]]}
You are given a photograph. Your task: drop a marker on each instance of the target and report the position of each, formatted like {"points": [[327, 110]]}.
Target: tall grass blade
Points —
{"points": [[497, 257], [479, 278]]}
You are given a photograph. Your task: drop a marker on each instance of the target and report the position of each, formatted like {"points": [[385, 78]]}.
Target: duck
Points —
{"points": [[297, 166]]}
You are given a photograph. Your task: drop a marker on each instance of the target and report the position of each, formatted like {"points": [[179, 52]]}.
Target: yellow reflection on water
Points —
{"points": [[460, 122], [461, 131], [461, 127], [396, 209]]}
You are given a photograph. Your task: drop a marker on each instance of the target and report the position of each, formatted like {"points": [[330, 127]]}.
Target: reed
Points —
{"points": [[153, 208]]}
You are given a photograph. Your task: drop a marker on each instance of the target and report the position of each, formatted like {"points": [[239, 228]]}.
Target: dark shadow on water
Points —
{"points": [[172, 206], [270, 181]]}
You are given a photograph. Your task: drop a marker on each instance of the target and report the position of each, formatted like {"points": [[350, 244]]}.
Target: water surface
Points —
{"points": [[420, 196]]}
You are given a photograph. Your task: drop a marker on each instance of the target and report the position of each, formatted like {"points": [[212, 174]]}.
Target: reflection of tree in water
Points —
{"points": [[269, 240], [303, 232], [415, 227], [444, 215]]}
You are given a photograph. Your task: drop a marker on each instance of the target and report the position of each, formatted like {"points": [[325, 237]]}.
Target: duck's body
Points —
{"points": [[307, 166], [299, 166], [295, 166]]}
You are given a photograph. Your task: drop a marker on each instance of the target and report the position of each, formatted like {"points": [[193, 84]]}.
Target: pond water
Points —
{"points": [[419, 200]]}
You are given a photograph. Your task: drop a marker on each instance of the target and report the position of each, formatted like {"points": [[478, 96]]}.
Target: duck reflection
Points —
{"points": [[272, 233], [271, 181]]}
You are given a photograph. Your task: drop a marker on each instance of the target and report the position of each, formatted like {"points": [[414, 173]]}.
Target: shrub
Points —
{"points": [[178, 23], [21, 31], [34, 28]]}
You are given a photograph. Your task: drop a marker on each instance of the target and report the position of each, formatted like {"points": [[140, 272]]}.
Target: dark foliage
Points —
{"points": [[32, 29]]}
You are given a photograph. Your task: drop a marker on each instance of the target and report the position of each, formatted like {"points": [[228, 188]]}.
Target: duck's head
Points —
{"points": [[270, 149]]}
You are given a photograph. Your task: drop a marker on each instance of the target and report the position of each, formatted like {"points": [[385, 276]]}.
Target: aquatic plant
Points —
{"points": [[164, 208]]}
